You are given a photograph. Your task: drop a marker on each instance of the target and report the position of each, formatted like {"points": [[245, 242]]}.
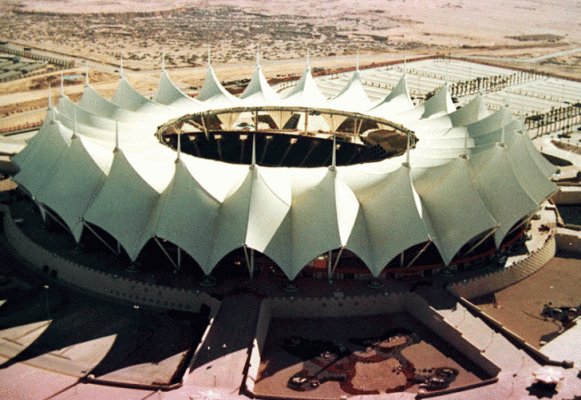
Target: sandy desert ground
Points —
{"points": [[100, 33]]}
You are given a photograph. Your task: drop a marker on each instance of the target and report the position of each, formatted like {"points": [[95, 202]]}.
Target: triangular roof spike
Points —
{"points": [[253, 159], [116, 136], [333, 166], [308, 58]]}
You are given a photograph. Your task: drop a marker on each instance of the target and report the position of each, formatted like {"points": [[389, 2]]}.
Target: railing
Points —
{"points": [[499, 280]]}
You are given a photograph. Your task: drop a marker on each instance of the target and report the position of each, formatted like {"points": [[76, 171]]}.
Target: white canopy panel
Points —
{"points": [[170, 95], [213, 94], [305, 93], [124, 206], [397, 101], [72, 186], [454, 206], [258, 91], [292, 215], [352, 97], [189, 227]]}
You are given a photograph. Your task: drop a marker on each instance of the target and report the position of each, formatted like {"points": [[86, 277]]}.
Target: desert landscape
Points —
{"points": [[535, 34]]}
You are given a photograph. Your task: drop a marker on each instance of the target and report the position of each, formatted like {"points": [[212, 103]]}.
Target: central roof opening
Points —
{"points": [[285, 136]]}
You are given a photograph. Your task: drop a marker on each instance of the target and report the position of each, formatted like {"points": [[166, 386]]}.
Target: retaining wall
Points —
{"points": [[570, 242], [494, 282], [407, 302], [101, 283], [567, 195], [410, 303], [340, 306]]}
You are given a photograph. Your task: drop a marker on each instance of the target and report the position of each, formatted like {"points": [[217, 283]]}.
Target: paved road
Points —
{"points": [[534, 59]]}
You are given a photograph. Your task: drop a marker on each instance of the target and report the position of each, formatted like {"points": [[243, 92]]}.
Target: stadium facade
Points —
{"points": [[464, 186]]}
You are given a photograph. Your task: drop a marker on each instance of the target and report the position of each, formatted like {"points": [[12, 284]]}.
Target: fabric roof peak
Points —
{"points": [[258, 90], [213, 91], [352, 97], [397, 101], [306, 93]]}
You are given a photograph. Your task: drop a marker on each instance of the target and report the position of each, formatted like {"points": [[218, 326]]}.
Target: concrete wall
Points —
{"points": [[348, 306], [494, 282], [567, 195], [421, 310], [262, 326], [101, 283], [568, 240], [407, 302]]}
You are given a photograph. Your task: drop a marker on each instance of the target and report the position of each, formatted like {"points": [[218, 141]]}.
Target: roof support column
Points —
{"points": [[337, 261], [306, 121], [101, 239], [249, 255], [179, 257], [525, 221], [419, 253], [482, 240], [255, 120], [166, 253], [205, 128], [56, 219], [335, 264]]}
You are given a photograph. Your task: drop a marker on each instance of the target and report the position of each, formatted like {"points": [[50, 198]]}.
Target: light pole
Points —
{"points": [[47, 305]]}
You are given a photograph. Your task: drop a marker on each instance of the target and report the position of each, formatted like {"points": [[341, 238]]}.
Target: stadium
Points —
{"points": [[463, 182], [277, 211]]}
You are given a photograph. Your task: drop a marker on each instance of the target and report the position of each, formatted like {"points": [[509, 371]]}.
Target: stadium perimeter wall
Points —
{"points": [[101, 283], [482, 285]]}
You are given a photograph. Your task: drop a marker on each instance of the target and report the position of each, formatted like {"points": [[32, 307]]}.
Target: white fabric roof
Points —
{"points": [[498, 185], [389, 201], [124, 206], [190, 228], [450, 196], [305, 93], [436, 106], [213, 94], [258, 91], [40, 157], [72, 186], [170, 95], [352, 97], [292, 215], [396, 102]]}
